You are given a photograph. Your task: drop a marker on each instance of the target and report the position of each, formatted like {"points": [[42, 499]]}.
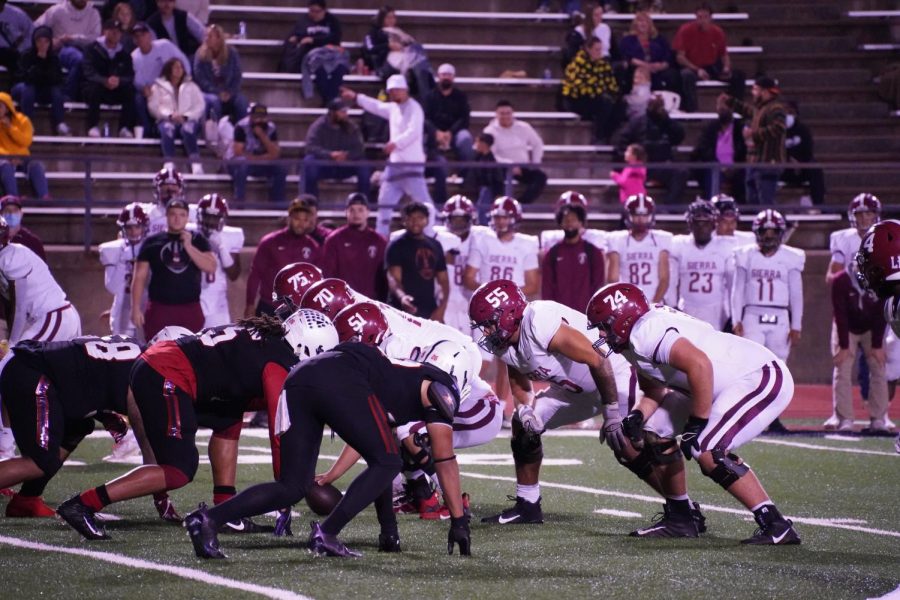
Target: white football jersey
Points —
{"points": [[551, 237], [704, 277], [457, 314], [639, 260], [118, 258], [156, 213], [740, 238], [766, 278], [844, 245], [654, 334], [214, 286], [37, 293], [495, 259]]}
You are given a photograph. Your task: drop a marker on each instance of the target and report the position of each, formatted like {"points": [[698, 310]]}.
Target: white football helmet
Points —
{"points": [[170, 332], [309, 333], [452, 358]]}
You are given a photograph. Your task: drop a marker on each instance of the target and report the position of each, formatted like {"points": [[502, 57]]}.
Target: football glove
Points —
{"points": [[612, 432], [459, 534], [165, 508], [690, 437], [114, 423], [531, 423], [283, 523], [633, 426]]}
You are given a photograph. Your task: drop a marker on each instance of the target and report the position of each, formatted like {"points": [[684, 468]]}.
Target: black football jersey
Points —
{"points": [[228, 361], [90, 373]]}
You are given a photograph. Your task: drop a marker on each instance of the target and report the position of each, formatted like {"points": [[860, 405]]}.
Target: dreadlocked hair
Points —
{"points": [[264, 325]]}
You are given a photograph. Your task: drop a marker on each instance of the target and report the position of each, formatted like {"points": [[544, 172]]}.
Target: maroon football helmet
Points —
{"points": [[361, 322], [211, 213], [571, 198], [506, 206], [863, 203], [639, 205], [167, 184], [329, 297], [878, 259], [133, 215], [614, 309], [458, 206], [496, 308], [291, 282], [769, 219]]}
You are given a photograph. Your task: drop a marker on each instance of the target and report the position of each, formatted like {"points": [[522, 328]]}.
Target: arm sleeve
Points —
{"points": [[548, 276], [234, 74], [837, 254], [273, 377], [20, 316], [196, 28], [329, 256], [537, 145], [253, 279], [795, 285], [475, 255], [382, 109], [598, 272], [314, 141], [839, 305], [737, 294], [89, 69], [465, 112]]}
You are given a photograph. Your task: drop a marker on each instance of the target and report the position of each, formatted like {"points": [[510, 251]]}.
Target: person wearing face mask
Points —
{"points": [[798, 142], [721, 142], [11, 210], [447, 108]]}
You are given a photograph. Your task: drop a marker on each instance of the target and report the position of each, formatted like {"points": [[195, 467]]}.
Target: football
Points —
{"points": [[322, 499]]}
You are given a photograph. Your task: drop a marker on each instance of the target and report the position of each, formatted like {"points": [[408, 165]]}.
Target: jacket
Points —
{"points": [[324, 137], [163, 101], [186, 41], [37, 71], [228, 79], [587, 78], [705, 148], [15, 139], [767, 130], [98, 65]]}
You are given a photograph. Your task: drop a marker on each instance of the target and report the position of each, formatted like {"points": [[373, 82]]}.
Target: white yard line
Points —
{"points": [[826, 448], [820, 522], [137, 563]]}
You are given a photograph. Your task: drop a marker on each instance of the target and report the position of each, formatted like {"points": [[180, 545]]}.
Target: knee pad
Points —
{"points": [[420, 461], [729, 468], [642, 464], [665, 451], [527, 449]]}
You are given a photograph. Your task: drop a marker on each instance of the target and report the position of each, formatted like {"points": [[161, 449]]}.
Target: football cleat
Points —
{"points": [[322, 544], [80, 517], [203, 534], [699, 518], [166, 509], [668, 524], [28, 506], [779, 532], [124, 449], [389, 542], [245, 525], [431, 508], [524, 512]]}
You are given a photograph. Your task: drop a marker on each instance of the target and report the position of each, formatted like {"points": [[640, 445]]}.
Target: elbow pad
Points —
{"points": [[444, 403]]}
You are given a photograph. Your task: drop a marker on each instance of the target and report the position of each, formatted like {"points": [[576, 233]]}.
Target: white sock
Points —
{"points": [[530, 493], [7, 442], [761, 504]]}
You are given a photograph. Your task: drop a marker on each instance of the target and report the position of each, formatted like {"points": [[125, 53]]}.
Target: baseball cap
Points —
{"points": [[447, 69], [111, 24], [10, 199], [396, 82], [768, 83], [177, 202], [303, 203], [336, 104], [357, 198], [140, 26], [257, 109]]}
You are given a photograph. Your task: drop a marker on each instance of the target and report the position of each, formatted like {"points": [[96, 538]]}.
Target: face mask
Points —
{"points": [[570, 233], [13, 220], [445, 84], [790, 120]]}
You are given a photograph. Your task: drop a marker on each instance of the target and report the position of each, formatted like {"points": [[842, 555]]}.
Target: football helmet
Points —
{"points": [[496, 308], [726, 204], [863, 203], [309, 333], [452, 358], [133, 215], [505, 206], [458, 206], [170, 333], [329, 297], [361, 322], [878, 259], [167, 184], [614, 309], [769, 220], [701, 210], [291, 282], [571, 198], [639, 205], [4, 232], [211, 213]]}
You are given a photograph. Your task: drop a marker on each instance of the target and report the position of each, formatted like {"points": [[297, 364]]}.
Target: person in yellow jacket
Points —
{"points": [[590, 89], [16, 133]]}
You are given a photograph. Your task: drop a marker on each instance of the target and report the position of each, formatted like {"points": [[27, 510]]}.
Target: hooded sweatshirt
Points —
{"points": [[42, 72], [15, 138], [65, 19]]}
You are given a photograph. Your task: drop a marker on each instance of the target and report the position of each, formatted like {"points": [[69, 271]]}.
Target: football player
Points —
{"points": [[225, 242], [767, 299], [291, 282], [167, 184], [729, 217], [118, 258], [640, 255], [550, 237], [703, 266], [735, 387], [862, 212], [360, 394]]}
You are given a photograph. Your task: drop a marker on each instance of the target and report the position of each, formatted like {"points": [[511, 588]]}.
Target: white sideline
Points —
{"points": [[137, 563], [819, 522]]}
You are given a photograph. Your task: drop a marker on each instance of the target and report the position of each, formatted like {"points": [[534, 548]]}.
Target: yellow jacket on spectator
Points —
{"points": [[15, 138], [586, 78]]}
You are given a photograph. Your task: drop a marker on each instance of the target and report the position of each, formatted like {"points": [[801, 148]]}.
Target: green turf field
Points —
{"points": [[843, 495]]}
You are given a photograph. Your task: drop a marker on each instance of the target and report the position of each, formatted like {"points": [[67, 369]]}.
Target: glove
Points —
{"points": [[114, 423], [531, 423], [612, 432], [283, 523], [165, 508], [633, 426], [459, 534], [690, 437]]}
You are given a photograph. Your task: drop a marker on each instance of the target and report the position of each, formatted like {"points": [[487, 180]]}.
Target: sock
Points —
{"points": [[96, 498], [222, 493], [529, 493], [766, 513], [680, 505], [7, 441]]}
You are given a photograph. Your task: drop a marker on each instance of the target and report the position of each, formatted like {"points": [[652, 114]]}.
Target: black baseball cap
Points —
{"points": [[140, 26], [177, 202], [357, 198]]}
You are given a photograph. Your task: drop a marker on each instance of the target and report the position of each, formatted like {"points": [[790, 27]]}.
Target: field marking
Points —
{"points": [[819, 522], [617, 513], [828, 448], [137, 563]]}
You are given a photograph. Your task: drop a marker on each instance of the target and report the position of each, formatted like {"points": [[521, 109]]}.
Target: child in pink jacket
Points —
{"points": [[631, 179]]}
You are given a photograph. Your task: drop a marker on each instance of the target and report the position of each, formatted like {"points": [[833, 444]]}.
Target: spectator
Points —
{"points": [[109, 79], [16, 134], [355, 251], [277, 249], [573, 268], [196, 8], [141, 9], [75, 25], [447, 108], [484, 183], [645, 47], [174, 262], [407, 57], [124, 14], [638, 98], [404, 173], [517, 143], [17, 35], [764, 136], [11, 210], [318, 231], [631, 179], [334, 138], [40, 79], [177, 104], [659, 135], [589, 88], [799, 145], [594, 26], [217, 70], [176, 25], [255, 143], [721, 141], [375, 45], [702, 51], [316, 29], [328, 66], [583, 28], [148, 58], [415, 263], [438, 169]]}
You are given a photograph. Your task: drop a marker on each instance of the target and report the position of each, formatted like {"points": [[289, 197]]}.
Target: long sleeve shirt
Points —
{"points": [[324, 137], [81, 24], [276, 250], [406, 122], [448, 113], [856, 312], [357, 257], [148, 67], [570, 273], [518, 143]]}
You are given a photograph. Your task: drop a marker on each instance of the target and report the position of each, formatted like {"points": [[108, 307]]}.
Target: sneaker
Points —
{"points": [[889, 424], [126, 133], [389, 542], [523, 512], [431, 508], [166, 510], [832, 423], [669, 525], [777, 427], [322, 544], [203, 533], [878, 426], [245, 525], [64, 130], [699, 518], [80, 517], [845, 425], [777, 533], [94, 132], [123, 450], [197, 168], [28, 506]]}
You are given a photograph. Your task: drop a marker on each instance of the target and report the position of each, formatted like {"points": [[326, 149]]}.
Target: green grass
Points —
{"points": [[575, 554]]}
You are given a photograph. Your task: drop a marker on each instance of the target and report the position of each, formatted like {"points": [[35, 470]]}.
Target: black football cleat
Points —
{"points": [[80, 517], [245, 525], [524, 512], [699, 518], [780, 532], [389, 542], [203, 534], [668, 524], [322, 544]]}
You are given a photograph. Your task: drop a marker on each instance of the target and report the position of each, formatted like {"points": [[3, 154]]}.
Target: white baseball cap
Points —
{"points": [[446, 68], [397, 82]]}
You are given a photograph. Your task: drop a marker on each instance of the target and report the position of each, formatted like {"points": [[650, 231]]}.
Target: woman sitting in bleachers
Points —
{"points": [[645, 47], [388, 49], [217, 70], [177, 104]]}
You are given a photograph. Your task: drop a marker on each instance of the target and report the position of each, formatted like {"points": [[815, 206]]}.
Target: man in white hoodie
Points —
{"points": [[405, 172], [75, 25], [518, 143]]}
